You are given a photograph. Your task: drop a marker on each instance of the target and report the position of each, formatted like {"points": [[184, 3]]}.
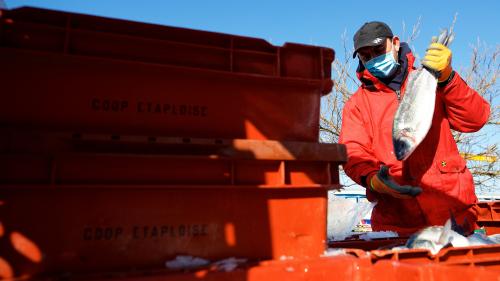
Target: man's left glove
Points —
{"points": [[438, 60], [382, 182]]}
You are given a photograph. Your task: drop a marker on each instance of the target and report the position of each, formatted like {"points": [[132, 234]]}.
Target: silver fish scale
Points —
{"points": [[413, 117], [434, 238]]}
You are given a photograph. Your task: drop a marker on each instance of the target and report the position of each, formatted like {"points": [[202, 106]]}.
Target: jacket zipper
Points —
{"points": [[398, 94]]}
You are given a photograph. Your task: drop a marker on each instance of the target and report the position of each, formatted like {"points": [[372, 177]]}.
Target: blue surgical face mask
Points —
{"points": [[382, 66]]}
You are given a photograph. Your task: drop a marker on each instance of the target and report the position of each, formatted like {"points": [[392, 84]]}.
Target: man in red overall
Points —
{"points": [[434, 181]]}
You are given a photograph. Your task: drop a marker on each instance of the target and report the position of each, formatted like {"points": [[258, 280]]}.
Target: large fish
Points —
{"points": [[434, 238], [413, 117]]}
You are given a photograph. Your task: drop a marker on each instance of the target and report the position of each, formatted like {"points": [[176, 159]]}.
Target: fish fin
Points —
{"points": [[450, 39], [467, 227], [451, 34], [445, 236], [442, 36], [462, 229], [454, 226]]}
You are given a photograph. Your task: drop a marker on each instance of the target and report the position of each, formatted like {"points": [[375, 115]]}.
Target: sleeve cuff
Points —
{"points": [[447, 81], [365, 180]]}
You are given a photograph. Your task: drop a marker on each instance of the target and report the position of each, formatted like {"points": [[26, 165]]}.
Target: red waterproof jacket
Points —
{"points": [[435, 165]]}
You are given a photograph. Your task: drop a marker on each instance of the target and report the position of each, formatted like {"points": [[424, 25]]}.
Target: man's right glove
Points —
{"points": [[381, 182]]}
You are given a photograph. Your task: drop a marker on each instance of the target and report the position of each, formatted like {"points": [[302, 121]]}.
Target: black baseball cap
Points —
{"points": [[371, 34]]}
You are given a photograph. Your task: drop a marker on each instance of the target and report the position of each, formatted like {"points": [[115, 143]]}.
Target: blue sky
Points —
{"points": [[309, 22]]}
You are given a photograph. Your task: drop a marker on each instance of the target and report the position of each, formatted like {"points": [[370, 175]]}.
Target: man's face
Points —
{"points": [[367, 53]]}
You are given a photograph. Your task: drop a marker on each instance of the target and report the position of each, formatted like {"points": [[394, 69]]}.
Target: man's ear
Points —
{"points": [[396, 43]]}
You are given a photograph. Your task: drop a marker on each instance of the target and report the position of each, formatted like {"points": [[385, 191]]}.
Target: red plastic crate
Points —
{"points": [[64, 158], [91, 228], [315, 269], [88, 74], [489, 216], [94, 203], [486, 256]]}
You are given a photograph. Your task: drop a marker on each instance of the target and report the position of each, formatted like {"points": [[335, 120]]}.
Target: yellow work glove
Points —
{"points": [[381, 182], [438, 59]]}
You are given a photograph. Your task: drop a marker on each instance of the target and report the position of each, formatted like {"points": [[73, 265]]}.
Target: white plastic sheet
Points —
{"points": [[343, 215]]}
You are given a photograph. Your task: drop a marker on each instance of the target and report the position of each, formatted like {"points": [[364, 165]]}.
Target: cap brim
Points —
{"points": [[373, 43]]}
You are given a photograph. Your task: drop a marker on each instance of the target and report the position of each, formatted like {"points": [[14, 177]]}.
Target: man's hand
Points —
{"points": [[383, 183], [438, 60]]}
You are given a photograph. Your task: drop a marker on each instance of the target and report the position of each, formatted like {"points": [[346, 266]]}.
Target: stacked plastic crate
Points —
{"points": [[126, 144]]}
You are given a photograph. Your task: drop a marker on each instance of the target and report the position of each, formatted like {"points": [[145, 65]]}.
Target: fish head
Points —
{"points": [[428, 239], [434, 238], [430, 234], [427, 245], [403, 146]]}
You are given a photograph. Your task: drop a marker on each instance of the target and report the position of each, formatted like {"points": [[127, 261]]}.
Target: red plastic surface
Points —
{"points": [[102, 203], [62, 158], [316, 269], [88, 74], [484, 256], [489, 216], [487, 256], [90, 228]]}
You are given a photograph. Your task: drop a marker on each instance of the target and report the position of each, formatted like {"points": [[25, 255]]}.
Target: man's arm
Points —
{"points": [[467, 111], [356, 136]]}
